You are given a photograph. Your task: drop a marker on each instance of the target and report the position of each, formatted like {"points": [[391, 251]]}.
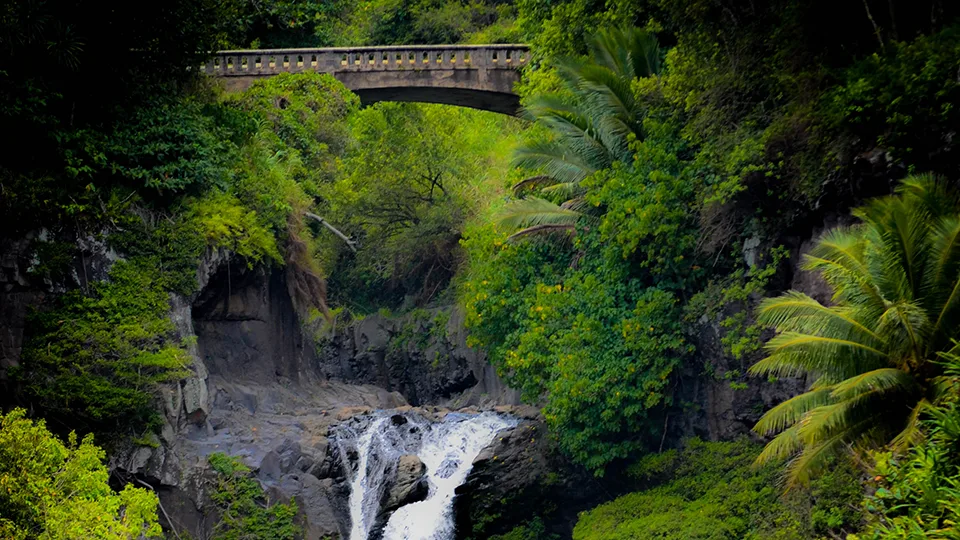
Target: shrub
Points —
{"points": [[245, 511], [49, 490]]}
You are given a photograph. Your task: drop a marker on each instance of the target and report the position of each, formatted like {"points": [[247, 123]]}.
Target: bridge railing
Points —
{"points": [[386, 58]]}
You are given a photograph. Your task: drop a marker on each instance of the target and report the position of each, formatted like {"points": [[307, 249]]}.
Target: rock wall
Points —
{"points": [[522, 475], [263, 390], [423, 356]]}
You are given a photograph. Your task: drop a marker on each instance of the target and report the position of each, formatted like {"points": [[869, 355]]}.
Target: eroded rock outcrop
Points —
{"points": [[423, 356], [523, 475], [410, 485], [261, 391]]}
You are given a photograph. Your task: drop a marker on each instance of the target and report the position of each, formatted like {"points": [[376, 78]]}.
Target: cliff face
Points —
{"points": [[265, 391], [268, 389]]}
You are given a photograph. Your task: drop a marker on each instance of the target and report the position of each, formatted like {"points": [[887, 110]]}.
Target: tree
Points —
{"points": [[245, 510], [875, 354], [49, 490], [411, 177], [590, 124], [917, 495]]}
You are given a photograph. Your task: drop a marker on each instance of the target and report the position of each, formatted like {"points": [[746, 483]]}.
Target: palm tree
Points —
{"points": [[874, 355], [591, 125]]}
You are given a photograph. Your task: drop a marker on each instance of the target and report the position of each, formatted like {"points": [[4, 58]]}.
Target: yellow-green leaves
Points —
{"points": [[873, 357], [53, 491]]}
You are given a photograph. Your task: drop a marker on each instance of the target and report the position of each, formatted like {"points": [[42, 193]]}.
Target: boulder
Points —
{"points": [[410, 485], [523, 475]]}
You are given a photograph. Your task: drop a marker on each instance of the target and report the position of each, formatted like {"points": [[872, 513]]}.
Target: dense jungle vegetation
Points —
{"points": [[673, 159]]}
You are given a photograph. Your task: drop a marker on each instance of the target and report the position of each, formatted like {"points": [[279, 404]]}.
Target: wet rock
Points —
{"points": [[410, 485], [520, 476], [437, 368], [346, 413]]}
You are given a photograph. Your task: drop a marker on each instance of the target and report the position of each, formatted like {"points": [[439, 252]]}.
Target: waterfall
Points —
{"points": [[370, 448]]}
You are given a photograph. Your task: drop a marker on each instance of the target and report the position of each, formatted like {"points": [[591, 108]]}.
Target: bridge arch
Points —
{"points": [[477, 76]]}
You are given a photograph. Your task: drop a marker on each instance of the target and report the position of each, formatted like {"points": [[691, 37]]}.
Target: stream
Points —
{"points": [[447, 448]]}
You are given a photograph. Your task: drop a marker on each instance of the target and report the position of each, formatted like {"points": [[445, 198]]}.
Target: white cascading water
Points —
{"points": [[447, 449]]}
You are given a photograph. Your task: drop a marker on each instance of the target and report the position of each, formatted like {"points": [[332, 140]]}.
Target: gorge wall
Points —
{"points": [[268, 387]]}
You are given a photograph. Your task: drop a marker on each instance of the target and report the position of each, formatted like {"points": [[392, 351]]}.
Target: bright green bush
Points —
{"points": [[95, 358], [710, 490], [917, 494], [304, 112], [599, 346], [52, 491], [245, 510]]}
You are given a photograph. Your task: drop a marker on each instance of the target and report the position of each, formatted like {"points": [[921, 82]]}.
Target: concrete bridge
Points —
{"points": [[477, 76]]}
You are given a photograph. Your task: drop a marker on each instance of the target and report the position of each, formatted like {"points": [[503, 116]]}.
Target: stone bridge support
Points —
{"points": [[477, 76]]}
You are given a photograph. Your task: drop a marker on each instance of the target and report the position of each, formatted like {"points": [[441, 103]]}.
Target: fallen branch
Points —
{"points": [[350, 243]]}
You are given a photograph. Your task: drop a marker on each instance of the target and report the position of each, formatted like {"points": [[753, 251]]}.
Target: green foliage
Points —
{"points": [[285, 23], [96, 357], [305, 112], [531, 530], [171, 245], [245, 510], [50, 491], [170, 147], [903, 99], [873, 354], [917, 494], [600, 346], [224, 222], [710, 490], [413, 175], [707, 490], [742, 335], [646, 219]]}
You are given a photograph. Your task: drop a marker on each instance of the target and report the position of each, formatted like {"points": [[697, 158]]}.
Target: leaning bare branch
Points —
{"points": [[350, 243]]}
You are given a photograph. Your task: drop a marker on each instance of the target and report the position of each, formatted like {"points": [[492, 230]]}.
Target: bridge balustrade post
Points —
{"points": [[327, 62], [481, 60]]}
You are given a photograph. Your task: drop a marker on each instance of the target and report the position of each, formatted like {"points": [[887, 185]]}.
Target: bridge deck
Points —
{"points": [[479, 76]]}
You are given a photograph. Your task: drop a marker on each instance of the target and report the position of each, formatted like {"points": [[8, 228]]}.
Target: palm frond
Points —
{"points": [[794, 353], [797, 312], [632, 52], [534, 182], [534, 211], [814, 457], [781, 447], [555, 160], [943, 280], [878, 381], [565, 190], [911, 433], [543, 229], [791, 411]]}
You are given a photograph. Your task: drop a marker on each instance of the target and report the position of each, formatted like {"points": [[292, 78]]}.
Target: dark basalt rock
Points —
{"points": [[410, 485], [522, 475]]}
